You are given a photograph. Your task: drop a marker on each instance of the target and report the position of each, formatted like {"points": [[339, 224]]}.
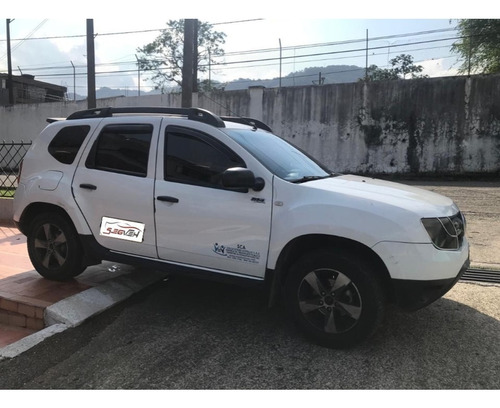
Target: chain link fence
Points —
{"points": [[11, 155]]}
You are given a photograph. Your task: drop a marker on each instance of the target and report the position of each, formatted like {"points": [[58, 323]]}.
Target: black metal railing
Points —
{"points": [[11, 155]]}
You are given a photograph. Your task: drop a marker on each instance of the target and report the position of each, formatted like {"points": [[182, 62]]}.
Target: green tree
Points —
{"points": [[164, 56], [402, 66], [479, 46], [380, 74]]}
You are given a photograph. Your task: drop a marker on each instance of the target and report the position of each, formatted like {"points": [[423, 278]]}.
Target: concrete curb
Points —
{"points": [[75, 310], [14, 349]]}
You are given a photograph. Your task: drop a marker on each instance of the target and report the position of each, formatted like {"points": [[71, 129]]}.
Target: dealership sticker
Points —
{"points": [[237, 253], [121, 229]]}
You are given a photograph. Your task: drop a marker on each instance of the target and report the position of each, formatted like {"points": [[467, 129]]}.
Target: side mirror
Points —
{"points": [[241, 178]]}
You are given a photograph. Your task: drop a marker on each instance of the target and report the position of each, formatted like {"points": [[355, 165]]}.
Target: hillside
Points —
{"points": [[332, 74]]}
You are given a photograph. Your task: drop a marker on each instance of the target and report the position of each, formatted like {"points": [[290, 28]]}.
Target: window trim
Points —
{"points": [[209, 140], [54, 151], [90, 162]]}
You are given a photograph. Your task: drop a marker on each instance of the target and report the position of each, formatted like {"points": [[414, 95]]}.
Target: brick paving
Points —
{"points": [[24, 294]]}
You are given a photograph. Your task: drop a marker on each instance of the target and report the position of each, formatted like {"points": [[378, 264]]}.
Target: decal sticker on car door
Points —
{"points": [[238, 252], [122, 229]]}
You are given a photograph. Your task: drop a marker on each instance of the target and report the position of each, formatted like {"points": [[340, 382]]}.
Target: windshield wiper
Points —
{"points": [[310, 178]]}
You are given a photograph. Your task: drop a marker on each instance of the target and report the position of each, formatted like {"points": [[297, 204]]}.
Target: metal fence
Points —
{"points": [[11, 155]]}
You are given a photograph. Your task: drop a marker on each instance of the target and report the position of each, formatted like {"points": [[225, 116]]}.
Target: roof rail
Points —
{"points": [[200, 115], [247, 121], [52, 120]]}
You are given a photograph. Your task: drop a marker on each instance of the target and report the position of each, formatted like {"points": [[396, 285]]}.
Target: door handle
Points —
{"points": [[88, 186], [167, 199]]}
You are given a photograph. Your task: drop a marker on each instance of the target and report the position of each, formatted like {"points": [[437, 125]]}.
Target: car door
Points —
{"points": [[199, 222], [114, 181]]}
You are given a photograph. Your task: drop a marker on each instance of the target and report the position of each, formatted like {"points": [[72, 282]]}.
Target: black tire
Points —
{"points": [[54, 247], [334, 298]]}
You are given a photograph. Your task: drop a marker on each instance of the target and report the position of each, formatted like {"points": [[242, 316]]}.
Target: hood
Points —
{"points": [[386, 193]]}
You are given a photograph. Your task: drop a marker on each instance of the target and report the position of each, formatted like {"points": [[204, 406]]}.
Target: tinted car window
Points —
{"points": [[280, 157], [122, 149], [193, 158], [66, 143]]}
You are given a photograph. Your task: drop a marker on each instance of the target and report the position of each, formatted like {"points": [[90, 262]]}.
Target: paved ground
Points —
{"points": [[33, 308], [186, 334]]}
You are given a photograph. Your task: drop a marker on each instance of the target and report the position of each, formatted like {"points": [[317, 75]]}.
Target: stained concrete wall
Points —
{"points": [[433, 126], [444, 126]]}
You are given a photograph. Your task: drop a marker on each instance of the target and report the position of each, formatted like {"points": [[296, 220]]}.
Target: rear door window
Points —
{"points": [[66, 143], [122, 149]]}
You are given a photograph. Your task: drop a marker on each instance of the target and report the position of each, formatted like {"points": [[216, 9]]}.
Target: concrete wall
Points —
{"points": [[438, 125], [25, 122], [444, 125]]}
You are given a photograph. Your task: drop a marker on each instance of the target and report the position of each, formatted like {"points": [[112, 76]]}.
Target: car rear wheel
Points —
{"points": [[334, 298], [54, 247]]}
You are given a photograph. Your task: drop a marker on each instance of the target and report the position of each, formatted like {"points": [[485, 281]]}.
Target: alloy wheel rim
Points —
{"points": [[51, 246], [329, 301]]}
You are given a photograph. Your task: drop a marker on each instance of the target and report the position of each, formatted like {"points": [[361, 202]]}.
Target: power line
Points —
{"points": [[345, 42], [25, 38], [119, 32], [238, 21], [226, 64], [316, 54], [327, 73], [295, 47], [102, 74], [59, 37], [336, 58], [329, 52], [233, 64], [288, 48]]}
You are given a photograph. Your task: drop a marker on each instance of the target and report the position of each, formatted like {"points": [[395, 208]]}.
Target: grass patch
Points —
{"points": [[7, 192]]}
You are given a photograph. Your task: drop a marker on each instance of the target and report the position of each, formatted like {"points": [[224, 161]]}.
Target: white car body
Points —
{"points": [[240, 234], [382, 215]]}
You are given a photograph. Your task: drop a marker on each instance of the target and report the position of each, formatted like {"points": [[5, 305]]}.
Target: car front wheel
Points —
{"points": [[54, 247], [334, 298]]}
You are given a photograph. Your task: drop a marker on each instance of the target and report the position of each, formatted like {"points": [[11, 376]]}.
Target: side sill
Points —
{"points": [[98, 253]]}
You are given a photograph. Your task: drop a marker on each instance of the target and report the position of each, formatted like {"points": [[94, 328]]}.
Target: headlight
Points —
{"points": [[446, 232]]}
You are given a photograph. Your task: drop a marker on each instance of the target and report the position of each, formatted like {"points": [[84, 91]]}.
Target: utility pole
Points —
{"points": [[209, 70], [281, 60], [195, 56], [366, 63], [10, 85], [74, 81], [188, 63], [469, 56], [91, 98], [138, 75]]}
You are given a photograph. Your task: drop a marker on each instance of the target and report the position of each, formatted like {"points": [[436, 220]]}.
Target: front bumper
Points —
{"points": [[412, 295]]}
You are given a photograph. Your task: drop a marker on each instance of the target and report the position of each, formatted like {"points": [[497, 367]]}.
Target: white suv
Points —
{"points": [[224, 198]]}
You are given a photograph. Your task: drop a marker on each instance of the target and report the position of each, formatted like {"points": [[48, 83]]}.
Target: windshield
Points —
{"points": [[280, 157]]}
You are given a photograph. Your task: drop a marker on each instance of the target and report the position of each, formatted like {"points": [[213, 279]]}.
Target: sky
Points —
{"points": [[316, 34]]}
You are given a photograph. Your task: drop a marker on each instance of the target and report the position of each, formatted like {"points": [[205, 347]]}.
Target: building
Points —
{"points": [[28, 90]]}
